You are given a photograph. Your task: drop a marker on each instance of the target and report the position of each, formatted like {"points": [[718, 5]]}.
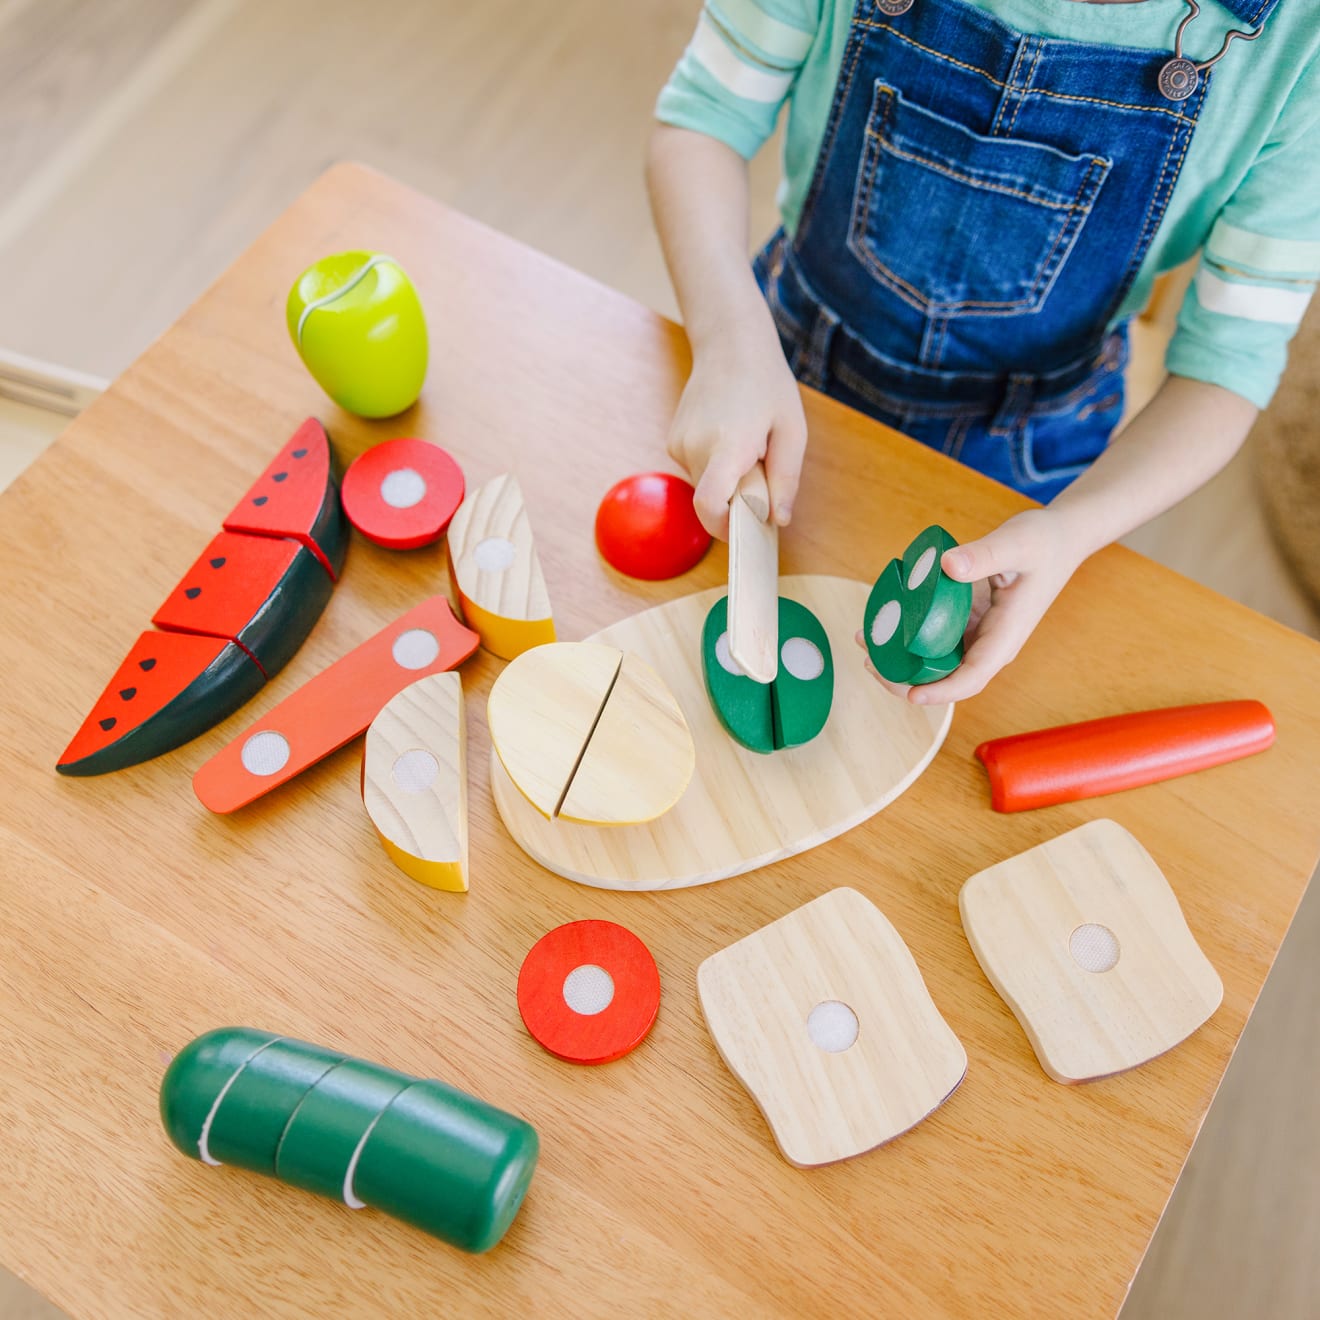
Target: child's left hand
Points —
{"points": [[1018, 570]]}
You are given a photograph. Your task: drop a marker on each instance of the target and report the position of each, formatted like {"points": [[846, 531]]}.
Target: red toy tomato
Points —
{"points": [[647, 528]]}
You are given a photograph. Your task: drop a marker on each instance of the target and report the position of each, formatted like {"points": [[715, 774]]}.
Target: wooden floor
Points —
{"points": [[146, 142]]}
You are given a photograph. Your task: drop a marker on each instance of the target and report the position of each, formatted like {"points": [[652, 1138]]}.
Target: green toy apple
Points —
{"points": [[358, 326]]}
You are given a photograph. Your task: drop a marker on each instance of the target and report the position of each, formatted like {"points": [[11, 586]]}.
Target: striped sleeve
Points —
{"points": [[739, 69], [1258, 271]]}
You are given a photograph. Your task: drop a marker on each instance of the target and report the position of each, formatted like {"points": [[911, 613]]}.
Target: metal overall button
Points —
{"points": [[893, 7], [1179, 77]]}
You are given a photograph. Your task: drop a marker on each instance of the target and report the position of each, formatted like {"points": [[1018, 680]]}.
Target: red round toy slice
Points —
{"points": [[401, 494], [647, 528], [589, 991]]}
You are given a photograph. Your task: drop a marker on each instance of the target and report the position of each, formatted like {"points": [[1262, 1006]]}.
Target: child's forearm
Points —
{"points": [[698, 189], [1185, 435]]}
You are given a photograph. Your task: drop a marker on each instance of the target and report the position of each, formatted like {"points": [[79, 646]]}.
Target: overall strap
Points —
{"points": [[1255, 13]]}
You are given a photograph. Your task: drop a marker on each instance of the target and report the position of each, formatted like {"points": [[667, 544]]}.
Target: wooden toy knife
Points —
{"points": [[754, 579]]}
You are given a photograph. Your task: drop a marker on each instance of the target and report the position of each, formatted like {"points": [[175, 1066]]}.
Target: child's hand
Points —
{"points": [[1018, 570], [741, 404]]}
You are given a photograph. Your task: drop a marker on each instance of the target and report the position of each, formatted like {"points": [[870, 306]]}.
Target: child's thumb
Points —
{"points": [[980, 559]]}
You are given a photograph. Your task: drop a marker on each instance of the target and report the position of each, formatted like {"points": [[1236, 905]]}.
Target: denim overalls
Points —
{"points": [[980, 207]]}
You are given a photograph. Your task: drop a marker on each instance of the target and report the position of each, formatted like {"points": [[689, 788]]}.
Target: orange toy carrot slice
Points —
{"points": [[1075, 761], [335, 706]]}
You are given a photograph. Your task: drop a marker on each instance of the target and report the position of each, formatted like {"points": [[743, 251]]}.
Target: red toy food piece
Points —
{"points": [[334, 706], [297, 496], [170, 688], [1075, 761], [647, 528], [401, 494], [567, 964]]}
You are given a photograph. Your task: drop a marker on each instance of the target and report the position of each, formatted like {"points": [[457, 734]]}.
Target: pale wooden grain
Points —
{"points": [[541, 712], [824, 1106], [753, 573], [639, 757], [426, 830], [1019, 916], [1021, 1194], [743, 809], [512, 604]]}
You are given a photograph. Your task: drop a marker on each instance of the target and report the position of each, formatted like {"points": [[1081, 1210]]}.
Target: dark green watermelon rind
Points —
{"points": [[328, 539], [229, 681], [736, 705], [795, 620], [281, 624]]}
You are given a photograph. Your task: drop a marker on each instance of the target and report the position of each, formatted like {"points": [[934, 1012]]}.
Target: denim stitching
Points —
{"points": [[1026, 87], [856, 42]]}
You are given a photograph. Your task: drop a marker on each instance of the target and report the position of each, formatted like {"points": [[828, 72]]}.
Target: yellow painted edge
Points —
{"points": [[506, 638], [439, 875]]}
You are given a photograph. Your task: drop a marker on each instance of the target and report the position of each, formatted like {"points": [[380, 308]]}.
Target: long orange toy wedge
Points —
{"points": [[335, 706], [1075, 761]]}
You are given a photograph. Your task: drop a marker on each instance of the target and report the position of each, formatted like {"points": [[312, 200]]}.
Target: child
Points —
{"points": [[977, 195]]}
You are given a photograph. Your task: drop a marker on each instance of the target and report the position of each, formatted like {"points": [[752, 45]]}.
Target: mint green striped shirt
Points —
{"points": [[1248, 197]]}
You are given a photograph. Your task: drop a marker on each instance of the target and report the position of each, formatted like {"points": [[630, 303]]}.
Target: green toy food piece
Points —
{"points": [[767, 717], [433, 1156], [803, 690], [357, 323], [743, 705], [465, 1181], [936, 610], [916, 614]]}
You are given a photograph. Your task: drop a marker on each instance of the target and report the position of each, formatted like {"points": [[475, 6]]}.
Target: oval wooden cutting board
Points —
{"points": [[742, 809]]}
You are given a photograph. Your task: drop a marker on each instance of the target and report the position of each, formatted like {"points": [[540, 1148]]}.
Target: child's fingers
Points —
{"points": [[1003, 632], [899, 690], [715, 489], [783, 465]]}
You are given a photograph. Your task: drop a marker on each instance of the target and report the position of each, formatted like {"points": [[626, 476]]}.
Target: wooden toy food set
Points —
{"points": [[702, 738]]}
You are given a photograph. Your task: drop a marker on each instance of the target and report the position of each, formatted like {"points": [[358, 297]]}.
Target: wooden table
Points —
{"points": [[132, 920]]}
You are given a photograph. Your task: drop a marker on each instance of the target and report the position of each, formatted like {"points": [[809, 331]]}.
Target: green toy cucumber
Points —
{"points": [[419, 1150], [916, 614], [792, 710]]}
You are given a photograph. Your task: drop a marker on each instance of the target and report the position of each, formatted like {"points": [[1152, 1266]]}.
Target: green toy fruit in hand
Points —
{"points": [[358, 326], [916, 614]]}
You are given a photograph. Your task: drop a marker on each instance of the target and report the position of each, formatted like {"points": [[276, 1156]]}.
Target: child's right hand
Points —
{"points": [[741, 405]]}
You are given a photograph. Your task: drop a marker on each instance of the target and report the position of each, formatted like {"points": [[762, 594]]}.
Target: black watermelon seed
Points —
{"points": [[279, 476], [218, 563], [109, 724], [146, 665], [260, 500], [300, 453], [193, 592], [128, 693]]}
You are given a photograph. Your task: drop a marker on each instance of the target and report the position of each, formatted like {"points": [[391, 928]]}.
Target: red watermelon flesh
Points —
{"points": [[297, 497], [170, 688]]}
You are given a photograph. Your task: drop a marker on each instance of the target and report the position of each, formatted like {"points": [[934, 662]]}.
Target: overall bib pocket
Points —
{"points": [[958, 224]]}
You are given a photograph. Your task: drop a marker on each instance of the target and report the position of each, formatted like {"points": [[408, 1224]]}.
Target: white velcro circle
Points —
{"points": [[415, 649], [802, 659], [403, 488], [415, 771], [921, 569], [725, 657], [885, 624], [494, 554], [588, 989], [832, 1026], [265, 753], [1094, 948]]}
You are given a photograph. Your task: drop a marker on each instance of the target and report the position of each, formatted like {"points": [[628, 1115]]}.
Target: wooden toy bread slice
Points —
{"points": [[263, 592], [589, 734], [753, 579], [334, 706], [496, 572], [170, 688], [1084, 940], [297, 496], [414, 781], [825, 1019], [639, 757], [401, 494]]}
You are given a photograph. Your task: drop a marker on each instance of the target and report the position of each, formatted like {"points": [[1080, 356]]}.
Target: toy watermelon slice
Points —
{"points": [[263, 592], [298, 496], [172, 687]]}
